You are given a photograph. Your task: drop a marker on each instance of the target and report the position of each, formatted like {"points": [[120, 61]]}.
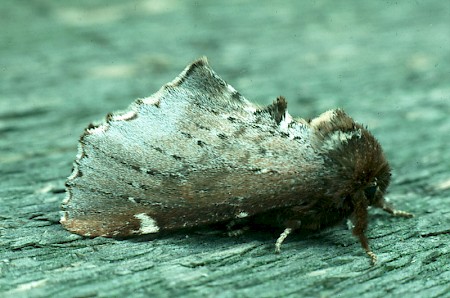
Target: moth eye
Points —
{"points": [[370, 192]]}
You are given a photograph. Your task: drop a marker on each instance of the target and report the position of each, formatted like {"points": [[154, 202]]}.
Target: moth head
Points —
{"points": [[354, 159]]}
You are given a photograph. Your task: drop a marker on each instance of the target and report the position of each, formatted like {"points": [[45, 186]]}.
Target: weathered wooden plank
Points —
{"points": [[64, 64]]}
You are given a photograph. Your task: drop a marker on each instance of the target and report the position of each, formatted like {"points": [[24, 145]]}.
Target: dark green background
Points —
{"points": [[64, 64]]}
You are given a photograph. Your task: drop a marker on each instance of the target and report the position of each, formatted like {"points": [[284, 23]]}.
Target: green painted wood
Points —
{"points": [[64, 64]]}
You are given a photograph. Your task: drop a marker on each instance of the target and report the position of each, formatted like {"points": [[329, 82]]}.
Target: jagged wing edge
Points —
{"points": [[132, 112]]}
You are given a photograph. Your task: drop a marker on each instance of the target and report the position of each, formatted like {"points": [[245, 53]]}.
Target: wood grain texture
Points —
{"points": [[64, 64]]}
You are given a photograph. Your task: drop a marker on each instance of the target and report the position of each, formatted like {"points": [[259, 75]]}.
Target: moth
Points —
{"points": [[197, 153]]}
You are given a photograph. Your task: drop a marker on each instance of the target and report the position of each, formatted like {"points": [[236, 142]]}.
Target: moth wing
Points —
{"points": [[195, 152]]}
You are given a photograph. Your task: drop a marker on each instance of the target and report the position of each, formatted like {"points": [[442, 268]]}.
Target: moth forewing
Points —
{"points": [[197, 152]]}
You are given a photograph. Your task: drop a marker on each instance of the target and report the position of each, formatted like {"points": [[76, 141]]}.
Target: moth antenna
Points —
{"points": [[281, 238]]}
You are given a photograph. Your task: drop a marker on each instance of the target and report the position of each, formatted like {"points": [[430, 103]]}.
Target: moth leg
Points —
{"points": [[397, 212], [291, 225], [281, 238], [233, 231], [360, 216], [372, 256], [238, 232], [365, 244], [385, 206], [358, 229]]}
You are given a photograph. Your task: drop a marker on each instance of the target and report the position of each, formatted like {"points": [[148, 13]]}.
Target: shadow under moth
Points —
{"points": [[197, 153]]}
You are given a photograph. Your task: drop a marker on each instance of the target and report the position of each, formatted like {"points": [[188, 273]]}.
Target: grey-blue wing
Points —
{"points": [[195, 152]]}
